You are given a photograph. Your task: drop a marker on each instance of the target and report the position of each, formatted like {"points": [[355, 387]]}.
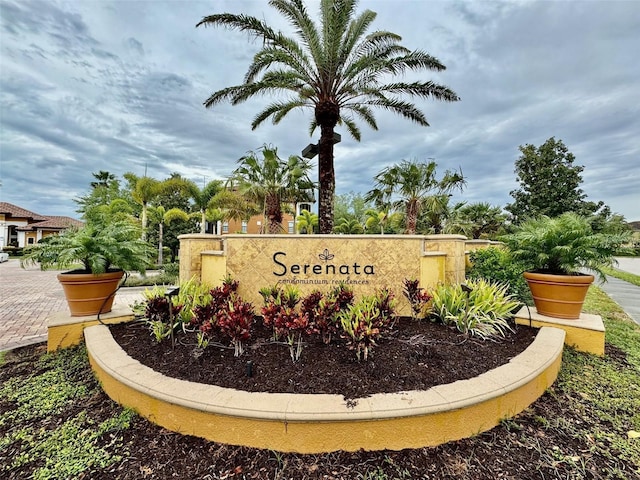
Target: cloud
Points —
{"points": [[120, 86]]}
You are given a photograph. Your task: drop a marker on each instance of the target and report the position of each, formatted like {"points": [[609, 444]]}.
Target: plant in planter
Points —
{"points": [[100, 253], [556, 252]]}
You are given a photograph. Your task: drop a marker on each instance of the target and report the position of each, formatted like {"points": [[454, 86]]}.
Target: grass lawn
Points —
{"points": [[55, 423]]}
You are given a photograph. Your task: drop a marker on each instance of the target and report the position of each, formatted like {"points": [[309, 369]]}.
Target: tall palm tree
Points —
{"points": [[271, 181], [143, 190], [332, 66], [202, 198], [163, 217], [413, 186]]}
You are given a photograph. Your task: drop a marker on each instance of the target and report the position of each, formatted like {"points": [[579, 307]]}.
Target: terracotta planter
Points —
{"points": [[558, 296], [86, 292]]}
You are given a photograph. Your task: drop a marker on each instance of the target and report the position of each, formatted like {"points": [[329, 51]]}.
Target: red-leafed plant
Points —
{"points": [[326, 315], [417, 296], [280, 313], [235, 322]]}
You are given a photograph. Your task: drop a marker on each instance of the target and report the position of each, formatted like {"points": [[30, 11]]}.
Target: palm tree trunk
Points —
{"points": [[144, 222], [160, 234], [274, 213], [203, 221], [412, 217], [326, 116]]}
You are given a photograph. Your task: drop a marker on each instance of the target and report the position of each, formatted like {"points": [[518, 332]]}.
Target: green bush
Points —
{"points": [[496, 265], [481, 311], [13, 251], [564, 245]]}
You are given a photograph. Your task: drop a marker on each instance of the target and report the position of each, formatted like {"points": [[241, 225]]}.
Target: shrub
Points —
{"points": [[364, 322], [418, 298], [481, 311], [280, 313], [327, 316], [235, 322], [495, 265]]}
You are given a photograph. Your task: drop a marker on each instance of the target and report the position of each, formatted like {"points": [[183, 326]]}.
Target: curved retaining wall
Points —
{"points": [[323, 423]]}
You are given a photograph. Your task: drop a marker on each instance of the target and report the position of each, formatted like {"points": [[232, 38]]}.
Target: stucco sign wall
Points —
{"points": [[364, 262]]}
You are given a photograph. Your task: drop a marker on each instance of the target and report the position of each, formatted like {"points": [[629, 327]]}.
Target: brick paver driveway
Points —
{"points": [[28, 297]]}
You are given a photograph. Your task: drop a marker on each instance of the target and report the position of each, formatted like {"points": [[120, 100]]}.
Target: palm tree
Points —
{"points": [[480, 220], [232, 205], [307, 221], [202, 198], [164, 217], [143, 190], [417, 188], [348, 226], [331, 66], [270, 182], [376, 219]]}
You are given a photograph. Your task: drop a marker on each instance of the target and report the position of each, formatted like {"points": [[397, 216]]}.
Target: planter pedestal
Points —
{"points": [[558, 296], [86, 293]]}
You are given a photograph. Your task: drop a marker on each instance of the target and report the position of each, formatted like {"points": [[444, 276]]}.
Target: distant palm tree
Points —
{"points": [[348, 226], [413, 186], [232, 205], [143, 191], [331, 66], [271, 181], [479, 220], [202, 198], [307, 221], [163, 217]]}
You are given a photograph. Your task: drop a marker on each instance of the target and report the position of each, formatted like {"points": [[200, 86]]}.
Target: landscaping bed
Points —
{"points": [[415, 355]]}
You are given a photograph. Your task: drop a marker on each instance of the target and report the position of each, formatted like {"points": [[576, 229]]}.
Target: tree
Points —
{"points": [[478, 220], [271, 181], [348, 226], [104, 190], [435, 214], [143, 190], [413, 187], [549, 183], [307, 221], [381, 221], [233, 205], [173, 192], [331, 67], [163, 217], [202, 198], [351, 206], [103, 179]]}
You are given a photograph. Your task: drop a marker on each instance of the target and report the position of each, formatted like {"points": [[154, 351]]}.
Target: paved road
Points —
{"points": [[626, 294], [629, 264], [29, 296]]}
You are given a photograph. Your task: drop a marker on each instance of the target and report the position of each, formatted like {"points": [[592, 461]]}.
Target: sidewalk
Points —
{"points": [[29, 296]]}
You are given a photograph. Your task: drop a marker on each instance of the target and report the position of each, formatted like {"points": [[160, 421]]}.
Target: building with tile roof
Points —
{"points": [[20, 227]]}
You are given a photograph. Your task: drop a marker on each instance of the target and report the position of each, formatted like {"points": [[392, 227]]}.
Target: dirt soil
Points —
{"points": [[524, 448], [415, 355]]}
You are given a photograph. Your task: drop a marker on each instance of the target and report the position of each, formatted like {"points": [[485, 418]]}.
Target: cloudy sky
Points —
{"points": [[119, 85]]}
